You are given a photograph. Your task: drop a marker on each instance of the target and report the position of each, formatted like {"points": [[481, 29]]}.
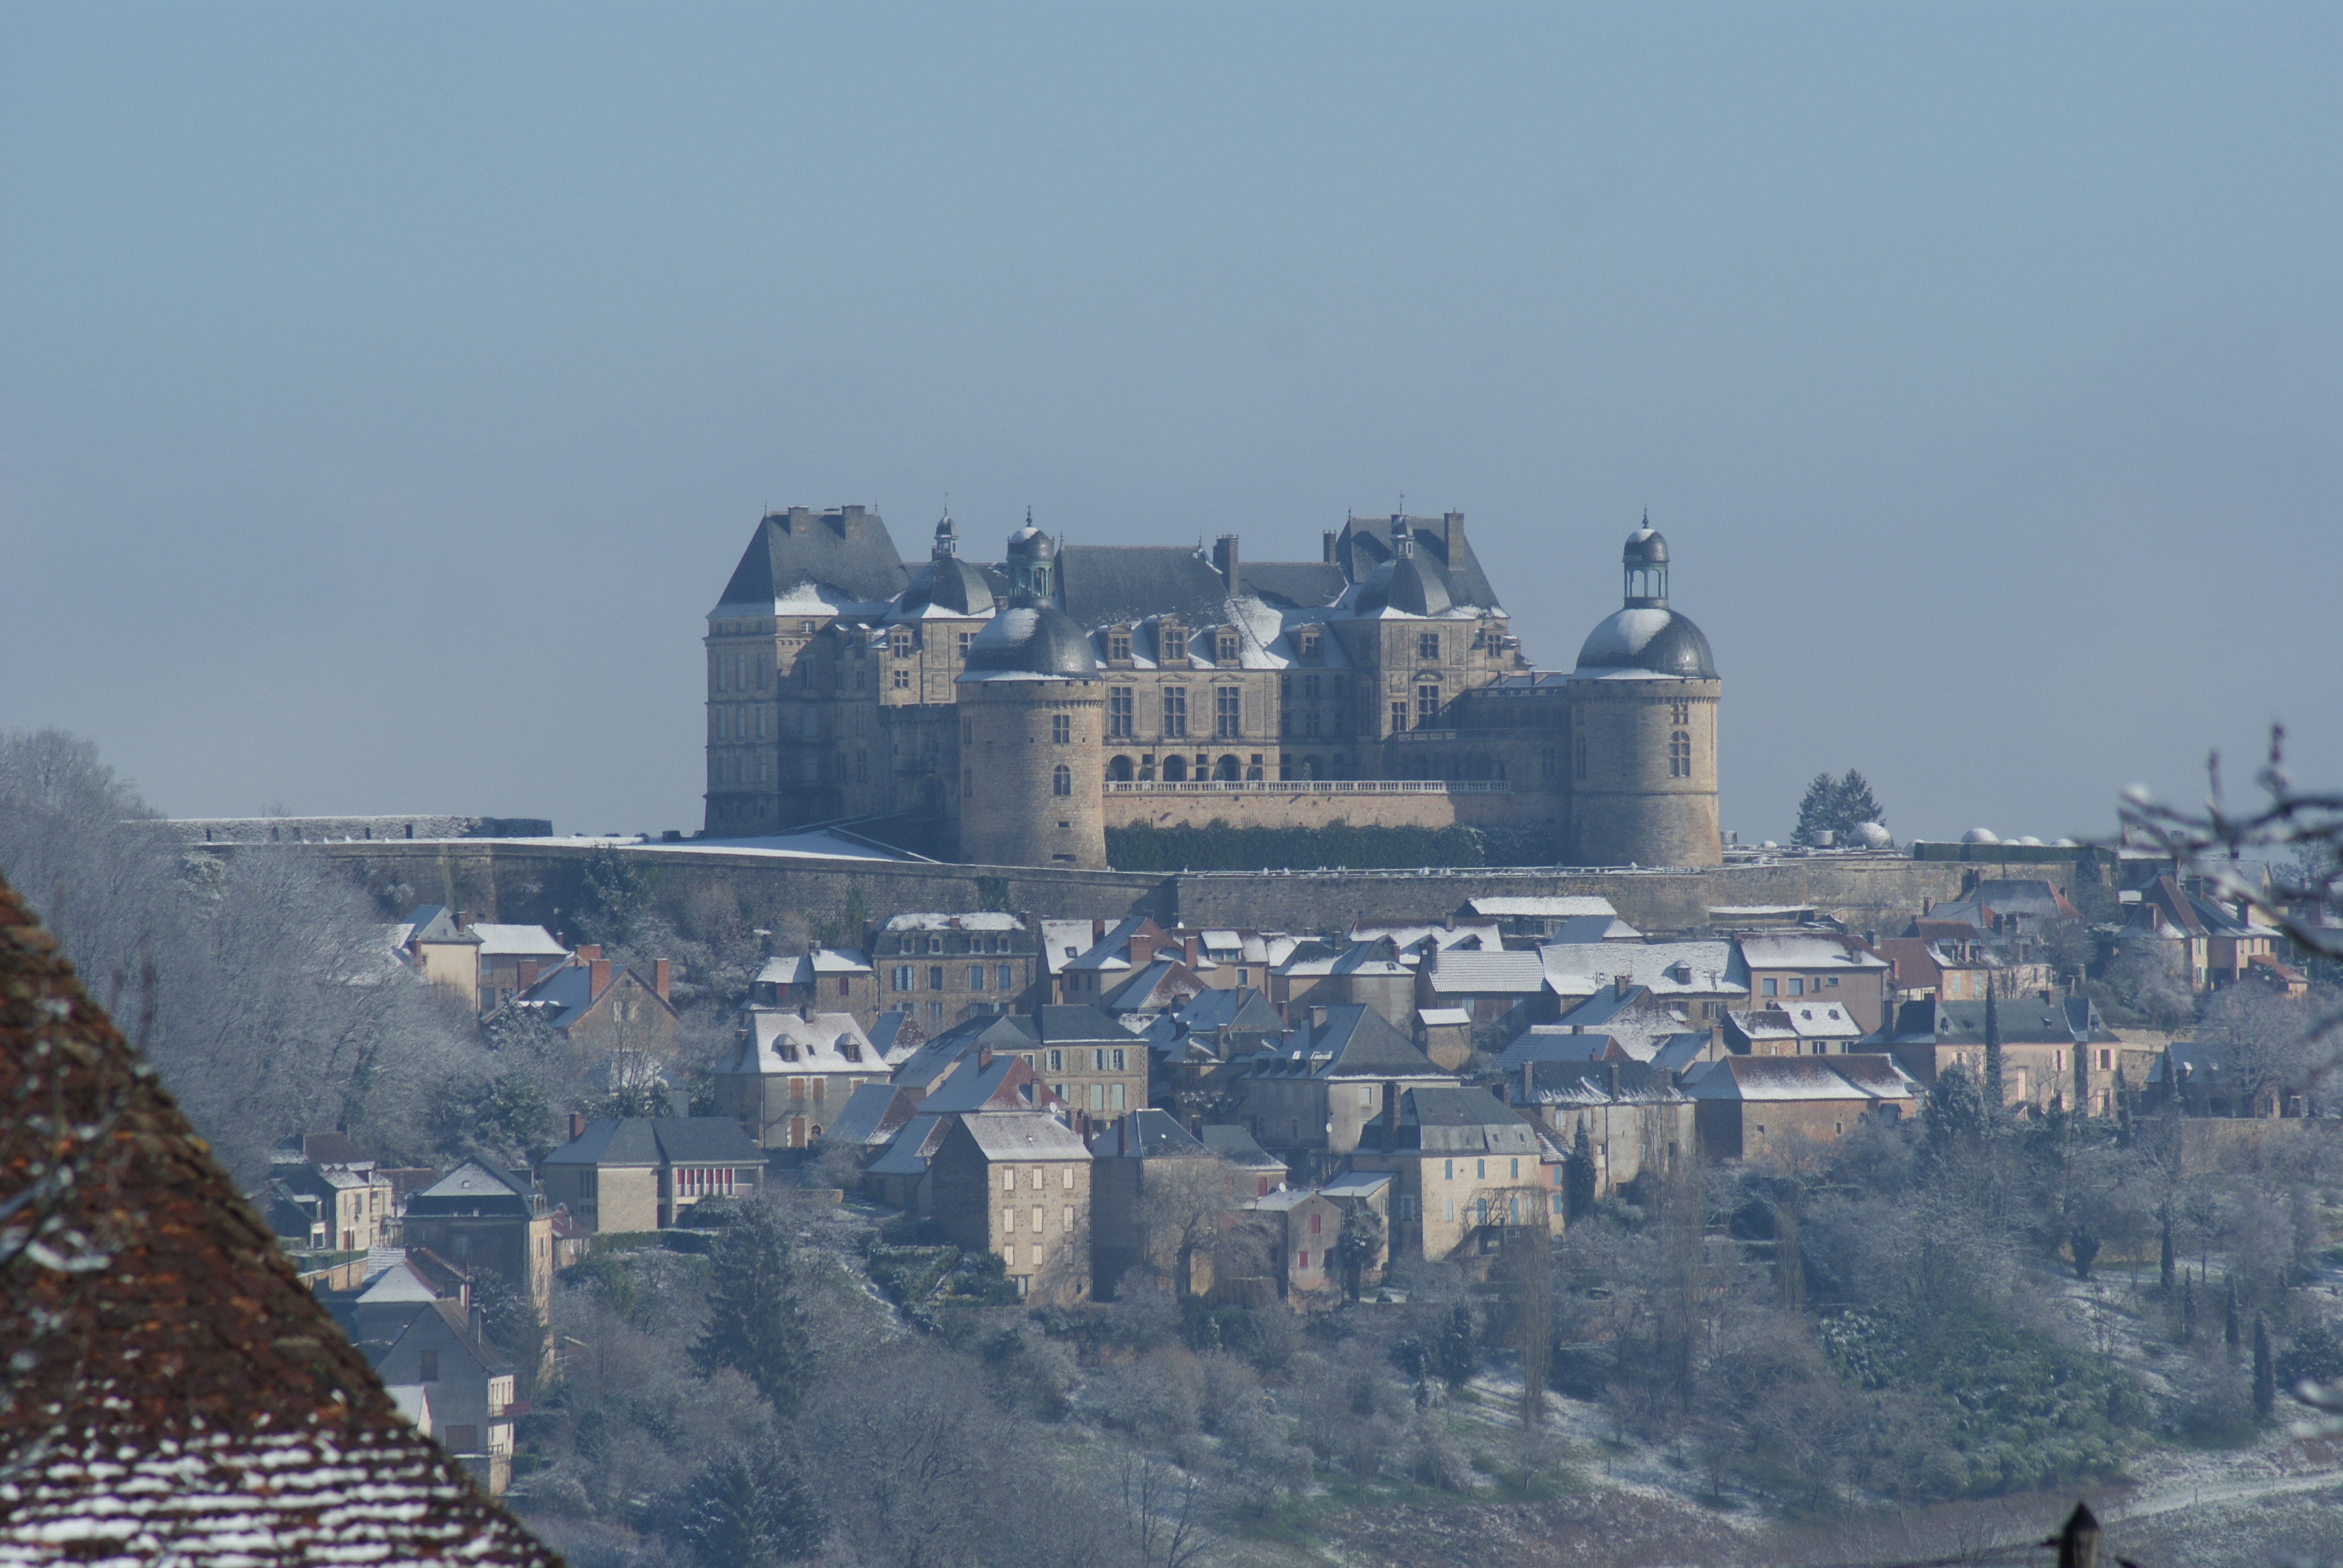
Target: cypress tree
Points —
{"points": [[1993, 1100], [2188, 1309], [1452, 1356], [756, 1320], [2123, 1110], [1578, 1174], [2231, 1334], [2264, 1371], [2164, 1259]]}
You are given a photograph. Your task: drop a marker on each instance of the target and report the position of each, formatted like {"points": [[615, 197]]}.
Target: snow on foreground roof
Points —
{"points": [[179, 1398]]}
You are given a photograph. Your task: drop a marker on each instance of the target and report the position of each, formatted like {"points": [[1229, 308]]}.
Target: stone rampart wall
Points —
{"points": [[362, 829], [1306, 808], [544, 882]]}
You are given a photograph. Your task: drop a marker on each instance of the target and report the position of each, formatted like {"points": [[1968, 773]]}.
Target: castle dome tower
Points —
{"points": [[1032, 715], [1644, 700]]}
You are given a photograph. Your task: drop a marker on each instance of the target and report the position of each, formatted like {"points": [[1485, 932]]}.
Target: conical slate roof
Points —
{"points": [[174, 1395]]}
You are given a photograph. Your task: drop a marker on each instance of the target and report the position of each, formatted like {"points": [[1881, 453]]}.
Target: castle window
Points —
{"points": [[1118, 770], [1118, 644], [760, 722], [1118, 711], [1062, 730], [805, 672], [1680, 755], [901, 977], [1427, 645], [1427, 706], [1175, 712], [1061, 780], [976, 977], [902, 645], [902, 679], [1171, 641], [1175, 769], [1578, 756], [1309, 688], [1399, 718], [935, 977], [763, 669], [1680, 712], [964, 638], [1310, 647], [1227, 646], [1310, 725], [1227, 711]]}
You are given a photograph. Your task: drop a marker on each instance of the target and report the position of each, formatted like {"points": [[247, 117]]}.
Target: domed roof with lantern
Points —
{"points": [[1644, 637], [949, 586]]}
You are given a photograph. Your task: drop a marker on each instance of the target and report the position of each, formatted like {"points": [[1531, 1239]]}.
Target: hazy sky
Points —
{"points": [[386, 392]]}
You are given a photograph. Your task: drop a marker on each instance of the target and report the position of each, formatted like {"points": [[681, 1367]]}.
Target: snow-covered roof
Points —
{"points": [[779, 1040], [933, 921], [1443, 1017], [798, 969], [1023, 1135], [1553, 907], [1457, 972], [1793, 950], [1699, 969], [1803, 1077], [515, 942]]}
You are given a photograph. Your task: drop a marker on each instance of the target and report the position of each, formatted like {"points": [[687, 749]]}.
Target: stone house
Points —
{"points": [[1098, 1068], [1466, 1167], [1312, 1097], [826, 979], [1504, 992], [1372, 974], [1532, 920], [1807, 1028], [481, 1218], [1262, 1172], [2046, 1039], [1153, 1190], [1310, 1223], [1746, 1107], [644, 1174], [2201, 940], [790, 1072], [1017, 1184], [1634, 1116], [603, 1010], [1702, 977], [1826, 966], [470, 1388], [328, 1205], [952, 967]]}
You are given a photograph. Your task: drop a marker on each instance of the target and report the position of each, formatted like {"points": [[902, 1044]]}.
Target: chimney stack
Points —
{"points": [[463, 918], [1225, 556], [1452, 534], [1189, 950], [1317, 1017], [660, 971], [983, 1056], [1329, 556], [1620, 986], [588, 952], [577, 1125], [598, 976], [1391, 1117]]}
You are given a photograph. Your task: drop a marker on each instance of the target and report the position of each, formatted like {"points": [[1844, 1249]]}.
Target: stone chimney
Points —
{"points": [[1391, 1117], [587, 952], [1317, 1017], [1225, 556], [577, 1125], [1097, 932], [659, 974], [1452, 534], [1142, 948], [598, 977], [1610, 1079], [1329, 547], [1189, 950], [983, 1056], [850, 521], [1620, 985]]}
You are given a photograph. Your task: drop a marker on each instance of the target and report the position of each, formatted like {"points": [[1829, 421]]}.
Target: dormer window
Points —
{"points": [[1225, 647], [1118, 645], [1311, 650], [1170, 640], [903, 643]]}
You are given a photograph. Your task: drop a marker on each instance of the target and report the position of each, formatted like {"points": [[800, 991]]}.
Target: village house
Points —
{"points": [[1262, 1172], [1746, 1107], [1702, 978], [1634, 1117], [1794, 966], [952, 967], [1529, 921], [1159, 1197], [470, 1387], [1807, 1028], [826, 979], [789, 1072], [2203, 942], [1310, 1097], [478, 1217], [322, 1194], [2046, 1037], [1098, 1068], [1503, 992], [1017, 1184], [1466, 1167], [602, 1009], [645, 1173], [1226, 959], [1372, 974]]}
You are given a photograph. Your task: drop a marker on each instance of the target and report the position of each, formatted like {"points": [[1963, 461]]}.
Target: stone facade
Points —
{"points": [[838, 685]]}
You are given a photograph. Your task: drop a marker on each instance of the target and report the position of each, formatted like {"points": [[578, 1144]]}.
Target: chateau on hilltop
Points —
{"points": [[1033, 703]]}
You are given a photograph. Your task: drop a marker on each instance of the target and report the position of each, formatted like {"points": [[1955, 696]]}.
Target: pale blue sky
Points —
{"points": [[385, 392]]}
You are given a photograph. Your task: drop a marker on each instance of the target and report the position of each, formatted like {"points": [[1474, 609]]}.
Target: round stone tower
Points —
{"points": [[1642, 729], [1032, 712]]}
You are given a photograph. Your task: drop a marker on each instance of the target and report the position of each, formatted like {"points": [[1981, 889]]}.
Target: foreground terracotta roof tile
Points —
{"points": [[171, 1392]]}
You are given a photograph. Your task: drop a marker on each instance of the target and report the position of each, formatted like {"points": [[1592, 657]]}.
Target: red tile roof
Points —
{"points": [[179, 1397]]}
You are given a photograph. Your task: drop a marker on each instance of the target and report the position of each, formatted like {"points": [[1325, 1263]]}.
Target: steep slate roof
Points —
{"points": [[1799, 951], [1306, 585], [471, 1189], [1807, 1078], [1364, 544], [1546, 1042], [848, 550], [826, 1042], [2023, 1019], [912, 1148], [1022, 1135], [656, 1140], [1710, 969], [1592, 1083], [1355, 1042], [872, 1113], [1147, 1135], [1234, 1144], [179, 1397], [1467, 1121], [1101, 585], [1457, 972]]}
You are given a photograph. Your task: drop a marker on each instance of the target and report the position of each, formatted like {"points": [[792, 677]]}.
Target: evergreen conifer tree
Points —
{"points": [[1578, 1174], [743, 1512], [2264, 1371], [1817, 810], [2166, 1258], [1852, 800], [2232, 1334], [1453, 1357], [756, 1320]]}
